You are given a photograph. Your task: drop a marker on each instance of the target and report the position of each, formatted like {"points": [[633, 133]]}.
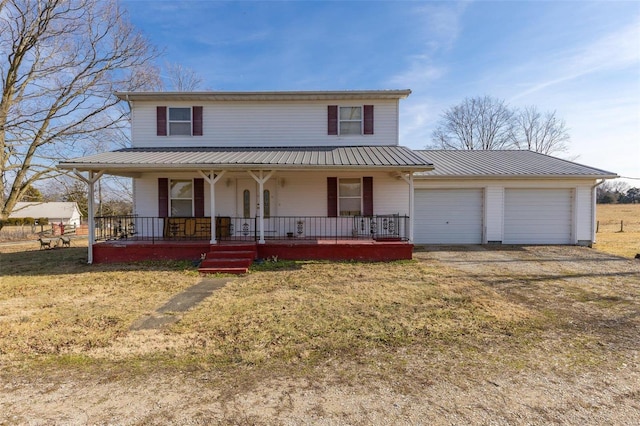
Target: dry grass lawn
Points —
{"points": [[609, 238], [394, 333]]}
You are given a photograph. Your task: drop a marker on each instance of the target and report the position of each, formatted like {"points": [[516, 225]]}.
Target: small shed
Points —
{"points": [[66, 212]]}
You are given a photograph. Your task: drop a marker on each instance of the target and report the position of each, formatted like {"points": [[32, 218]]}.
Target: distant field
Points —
{"points": [[612, 218]]}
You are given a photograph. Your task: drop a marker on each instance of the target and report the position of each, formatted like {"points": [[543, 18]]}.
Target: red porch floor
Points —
{"points": [[363, 250]]}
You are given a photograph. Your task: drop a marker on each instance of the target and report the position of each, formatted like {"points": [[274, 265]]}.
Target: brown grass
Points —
{"points": [[407, 324], [609, 238], [53, 303], [56, 309]]}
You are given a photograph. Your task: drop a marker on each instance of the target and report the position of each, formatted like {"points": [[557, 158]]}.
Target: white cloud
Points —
{"points": [[618, 50], [439, 27]]}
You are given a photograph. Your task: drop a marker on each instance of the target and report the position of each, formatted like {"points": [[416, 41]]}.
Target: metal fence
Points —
{"points": [[394, 227]]}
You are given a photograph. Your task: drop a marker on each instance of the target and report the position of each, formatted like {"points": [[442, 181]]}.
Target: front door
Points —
{"points": [[249, 201]]}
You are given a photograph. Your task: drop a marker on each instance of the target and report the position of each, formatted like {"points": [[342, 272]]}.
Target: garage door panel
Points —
{"points": [[448, 216], [538, 216]]}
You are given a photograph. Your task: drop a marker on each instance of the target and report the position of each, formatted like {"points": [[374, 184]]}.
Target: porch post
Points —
{"points": [[211, 180], [261, 180], [92, 221], [259, 205], [90, 181], [409, 180]]}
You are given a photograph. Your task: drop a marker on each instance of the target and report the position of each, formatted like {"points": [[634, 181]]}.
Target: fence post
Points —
{"points": [[622, 226], [597, 227]]}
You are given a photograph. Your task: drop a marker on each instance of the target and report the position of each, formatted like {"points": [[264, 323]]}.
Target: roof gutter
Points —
{"points": [[513, 176], [265, 96]]}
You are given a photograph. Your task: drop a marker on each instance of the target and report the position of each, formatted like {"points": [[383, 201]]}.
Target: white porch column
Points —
{"points": [[409, 180], [211, 179], [90, 181], [261, 181]]}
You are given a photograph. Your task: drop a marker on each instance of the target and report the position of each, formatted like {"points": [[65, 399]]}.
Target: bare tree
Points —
{"points": [[540, 133], [479, 123], [181, 78], [61, 62]]}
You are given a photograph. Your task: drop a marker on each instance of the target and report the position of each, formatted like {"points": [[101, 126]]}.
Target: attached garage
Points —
{"points": [[510, 197], [538, 216], [448, 216]]}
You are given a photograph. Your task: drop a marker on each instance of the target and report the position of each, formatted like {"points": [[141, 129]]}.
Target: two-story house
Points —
{"points": [[316, 174], [320, 174]]}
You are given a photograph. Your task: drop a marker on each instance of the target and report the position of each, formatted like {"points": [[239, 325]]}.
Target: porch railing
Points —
{"points": [[378, 227]]}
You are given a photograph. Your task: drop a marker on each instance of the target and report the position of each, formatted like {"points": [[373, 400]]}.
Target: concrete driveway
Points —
{"points": [[502, 264]]}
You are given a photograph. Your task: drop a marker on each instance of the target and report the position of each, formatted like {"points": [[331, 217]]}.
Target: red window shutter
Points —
{"points": [[332, 197], [197, 121], [368, 119], [161, 121], [163, 197], [367, 196], [332, 120], [198, 197]]}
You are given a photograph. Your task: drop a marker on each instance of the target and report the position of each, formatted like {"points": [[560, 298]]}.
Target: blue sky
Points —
{"points": [[581, 59]]}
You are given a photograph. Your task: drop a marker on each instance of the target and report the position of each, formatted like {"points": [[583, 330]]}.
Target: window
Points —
{"points": [[180, 121], [349, 197], [181, 198], [266, 204], [246, 204], [351, 120]]}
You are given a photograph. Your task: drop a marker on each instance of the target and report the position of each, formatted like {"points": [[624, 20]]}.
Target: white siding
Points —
{"points": [[448, 216], [265, 124], [583, 215], [538, 216], [580, 225], [493, 219], [296, 193]]}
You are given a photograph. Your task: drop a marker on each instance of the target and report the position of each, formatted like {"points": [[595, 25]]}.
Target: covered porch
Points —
{"points": [[136, 238], [337, 203]]}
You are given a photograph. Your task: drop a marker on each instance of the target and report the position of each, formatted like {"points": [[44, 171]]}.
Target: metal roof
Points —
{"points": [[145, 159], [265, 96], [506, 163], [53, 209]]}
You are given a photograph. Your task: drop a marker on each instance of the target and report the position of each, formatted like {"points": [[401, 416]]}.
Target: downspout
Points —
{"points": [[594, 200]]}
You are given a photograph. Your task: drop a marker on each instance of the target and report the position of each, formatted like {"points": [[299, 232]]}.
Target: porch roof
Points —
{"points": [[397, 158]]}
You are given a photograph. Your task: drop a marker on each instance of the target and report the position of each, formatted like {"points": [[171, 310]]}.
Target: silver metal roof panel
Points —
{"points": [[504, 163], [145, 159]]}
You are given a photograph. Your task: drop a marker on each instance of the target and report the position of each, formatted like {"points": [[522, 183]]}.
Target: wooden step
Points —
{"points": [[226, 262], [236, 271], [229, 259], [232, 254]]}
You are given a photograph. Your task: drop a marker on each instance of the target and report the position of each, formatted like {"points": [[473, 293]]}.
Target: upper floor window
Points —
{"points": [[180, 121], [350, 120]]}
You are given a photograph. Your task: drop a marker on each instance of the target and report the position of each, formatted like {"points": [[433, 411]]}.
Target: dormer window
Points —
{"points": [[179, 121]]}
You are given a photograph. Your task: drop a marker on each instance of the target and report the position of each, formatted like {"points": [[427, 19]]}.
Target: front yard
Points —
{"points": [[506, 335]]}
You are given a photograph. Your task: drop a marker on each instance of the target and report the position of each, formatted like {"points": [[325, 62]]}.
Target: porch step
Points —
{"points": [[229, 259], [233, 254], [237, 271]]}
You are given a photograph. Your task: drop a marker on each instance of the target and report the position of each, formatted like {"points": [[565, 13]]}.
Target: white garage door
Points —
{"points": [[538, 216], [448, 216]]}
